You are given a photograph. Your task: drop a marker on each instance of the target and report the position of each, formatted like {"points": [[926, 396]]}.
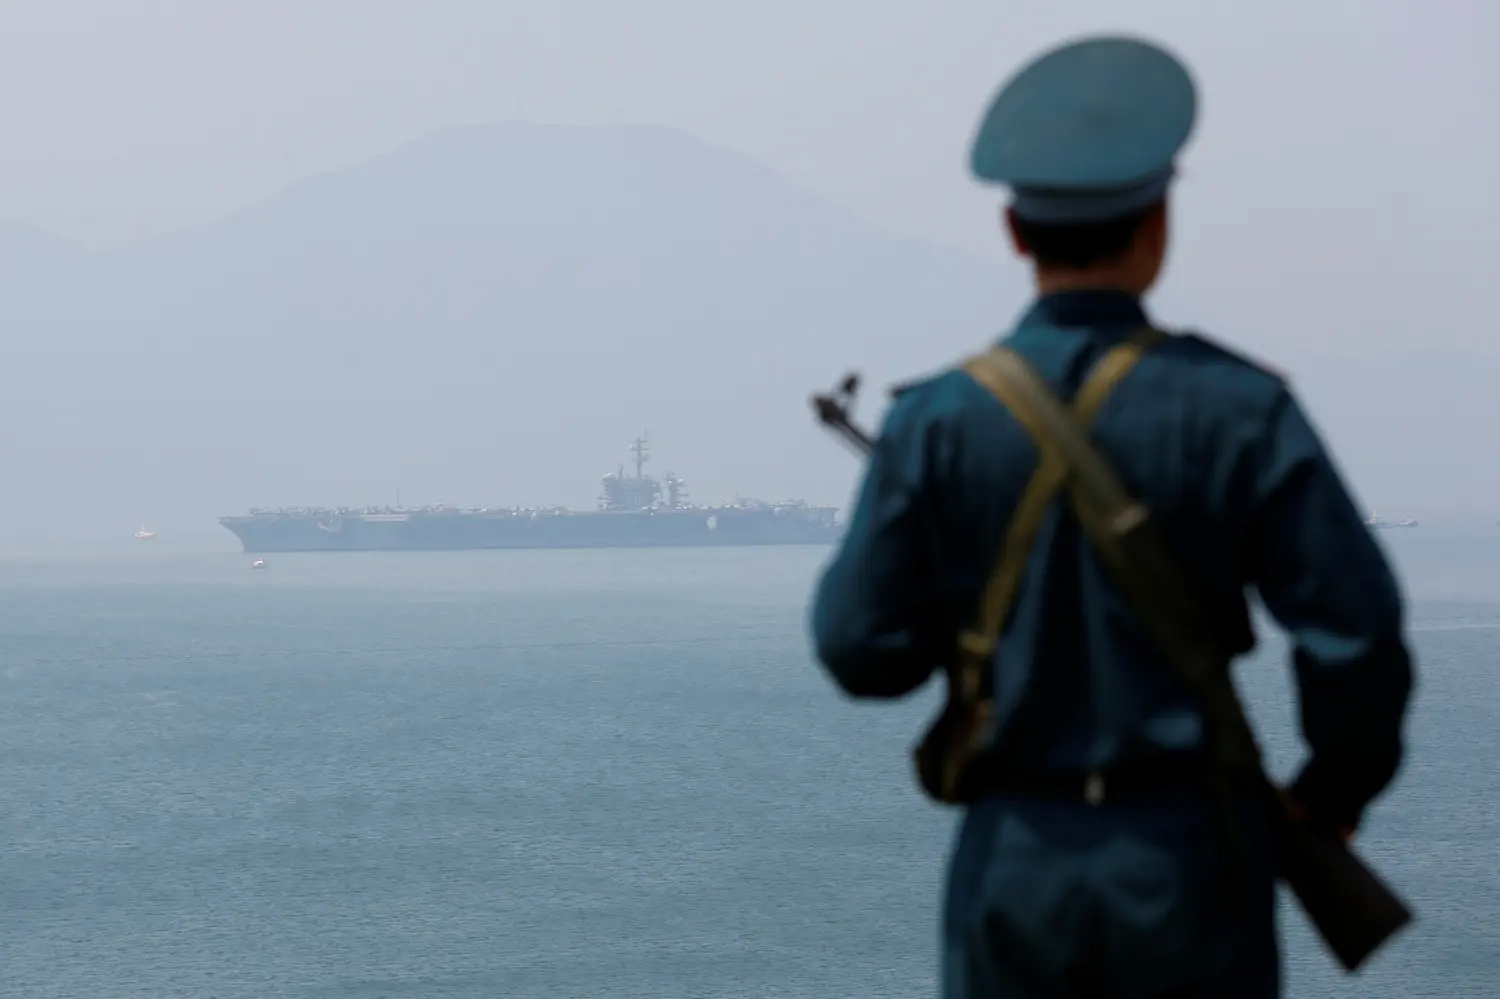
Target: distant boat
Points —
{"points": [[1378, 523], [144, 535], [259, 563]]}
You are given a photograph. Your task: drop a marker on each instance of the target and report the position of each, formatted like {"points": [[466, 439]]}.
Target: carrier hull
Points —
{"points": [[473, 530]]}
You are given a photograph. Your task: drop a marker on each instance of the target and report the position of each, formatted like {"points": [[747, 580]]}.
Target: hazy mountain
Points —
{"points": [[488, 314], [485, 314]]}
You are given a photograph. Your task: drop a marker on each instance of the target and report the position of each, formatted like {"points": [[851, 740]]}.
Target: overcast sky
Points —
{"points": [[1336, 199], [1336, 183]]}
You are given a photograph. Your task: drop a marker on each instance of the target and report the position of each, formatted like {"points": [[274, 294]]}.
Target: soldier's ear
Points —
{"points": [[1155, 229], [1017, 240]]}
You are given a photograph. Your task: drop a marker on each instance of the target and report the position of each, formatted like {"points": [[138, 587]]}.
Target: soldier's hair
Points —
{"points": [[1076, 247]]}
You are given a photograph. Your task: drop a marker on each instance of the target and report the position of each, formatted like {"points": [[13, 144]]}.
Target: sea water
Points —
{"points": [[569, 775]]}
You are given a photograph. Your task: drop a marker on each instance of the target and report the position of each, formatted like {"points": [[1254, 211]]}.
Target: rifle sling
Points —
{"points": [[1049, 477], [969, 702], [1125, 538], [1353, 911]]}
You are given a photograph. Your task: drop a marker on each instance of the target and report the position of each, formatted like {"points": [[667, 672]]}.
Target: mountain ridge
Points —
{"points": [[484, 314], [487, 313]]}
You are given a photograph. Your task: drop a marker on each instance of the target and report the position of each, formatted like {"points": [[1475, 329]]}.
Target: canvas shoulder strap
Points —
{"points": [[1051, 471], [1351, 908], [951, 744], [1127, 540]]}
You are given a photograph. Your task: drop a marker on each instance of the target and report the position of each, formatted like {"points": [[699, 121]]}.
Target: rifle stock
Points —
{"points": [[1351, 908]]}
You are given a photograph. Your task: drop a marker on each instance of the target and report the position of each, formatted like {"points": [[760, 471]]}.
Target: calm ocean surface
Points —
{"points": [[566, 775]]}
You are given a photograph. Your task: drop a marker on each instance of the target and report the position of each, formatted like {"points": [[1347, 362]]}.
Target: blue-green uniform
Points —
{"points": [[1050, 895]]}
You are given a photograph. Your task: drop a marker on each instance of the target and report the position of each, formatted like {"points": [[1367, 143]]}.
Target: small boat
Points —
{"points": [[144, 535], [259, 563]]}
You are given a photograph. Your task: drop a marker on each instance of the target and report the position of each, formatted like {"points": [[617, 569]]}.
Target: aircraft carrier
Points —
{"points": [[634, 511], [1375, 522]]}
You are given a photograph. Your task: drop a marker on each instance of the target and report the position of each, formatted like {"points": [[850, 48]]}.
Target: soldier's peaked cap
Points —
{"points": [[1088, 131]]}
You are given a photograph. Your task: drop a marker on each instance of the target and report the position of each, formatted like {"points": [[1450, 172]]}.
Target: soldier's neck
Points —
{"points": [[1052, 281]]}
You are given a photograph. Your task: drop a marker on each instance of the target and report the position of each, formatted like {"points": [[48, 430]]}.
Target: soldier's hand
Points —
{"points": [[1299, 812]]}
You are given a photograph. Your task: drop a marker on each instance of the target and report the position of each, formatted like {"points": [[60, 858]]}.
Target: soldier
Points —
{"points": [[1088, 861]]}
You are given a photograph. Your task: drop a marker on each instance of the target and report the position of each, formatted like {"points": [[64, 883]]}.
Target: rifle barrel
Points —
{"points": [[834, 415]]}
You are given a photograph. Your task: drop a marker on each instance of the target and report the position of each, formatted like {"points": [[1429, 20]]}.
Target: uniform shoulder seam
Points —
{"points": [[927, 380], [1238, 356]]}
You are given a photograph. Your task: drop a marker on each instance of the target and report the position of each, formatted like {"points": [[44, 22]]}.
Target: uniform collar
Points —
{"points": [[1093, 307]]}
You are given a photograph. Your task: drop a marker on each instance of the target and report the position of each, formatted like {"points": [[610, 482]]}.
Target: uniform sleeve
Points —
{"points": [[1325, 580], [875, 620]]}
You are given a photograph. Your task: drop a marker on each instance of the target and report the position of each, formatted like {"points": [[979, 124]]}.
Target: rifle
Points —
{"points": [[1350, 907], [836, 412], [945, 749]]}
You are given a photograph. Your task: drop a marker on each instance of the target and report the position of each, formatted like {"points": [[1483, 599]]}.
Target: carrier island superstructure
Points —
{"points": [[634, 511]]}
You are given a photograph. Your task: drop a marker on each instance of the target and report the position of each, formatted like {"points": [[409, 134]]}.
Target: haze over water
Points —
{"points": [[564, 773], [288, 253]]}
